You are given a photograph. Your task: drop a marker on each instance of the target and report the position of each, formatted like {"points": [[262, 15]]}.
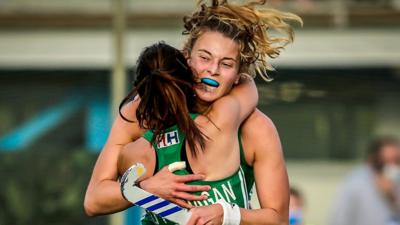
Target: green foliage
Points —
{"points": [[45, 186]]}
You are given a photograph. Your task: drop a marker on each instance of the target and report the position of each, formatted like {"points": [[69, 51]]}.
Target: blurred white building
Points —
{"points": [[337, 86]]}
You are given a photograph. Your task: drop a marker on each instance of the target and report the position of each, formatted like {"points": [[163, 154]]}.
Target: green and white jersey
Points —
{"points": [[234, 189], [247, 169]]}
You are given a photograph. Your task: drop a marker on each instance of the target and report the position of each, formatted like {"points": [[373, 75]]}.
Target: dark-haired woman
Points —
{"points": [[262, 159], [165, 86]]}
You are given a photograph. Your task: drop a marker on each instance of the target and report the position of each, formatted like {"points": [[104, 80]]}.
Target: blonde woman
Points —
{"points": [[209, 29]]}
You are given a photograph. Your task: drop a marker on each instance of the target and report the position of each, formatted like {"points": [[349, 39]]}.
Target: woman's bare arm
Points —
{"points": [[173, 186], [264, 152], [231, 110], [103, 193], [269, 170]]}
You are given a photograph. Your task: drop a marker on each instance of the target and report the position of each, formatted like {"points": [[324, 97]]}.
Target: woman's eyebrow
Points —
{"points": [[229, 58], [205, 51], [209, 53]]}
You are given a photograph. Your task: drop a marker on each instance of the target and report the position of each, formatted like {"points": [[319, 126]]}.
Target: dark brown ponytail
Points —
{"points": [[165, 85]]}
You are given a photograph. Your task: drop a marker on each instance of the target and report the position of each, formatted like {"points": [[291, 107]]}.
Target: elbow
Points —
{"points": [[90, 207], [284, 223], [279, 222]]}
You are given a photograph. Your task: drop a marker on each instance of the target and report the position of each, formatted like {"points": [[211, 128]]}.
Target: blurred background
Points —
{"points": [[61, 75]]}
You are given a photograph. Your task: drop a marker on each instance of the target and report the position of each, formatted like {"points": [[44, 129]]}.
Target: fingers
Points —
{"points": [[194, 218], [182, 203], [176, 166], [164, 169], [192, 188], [200, 221], [189, 197], [190, 177], [181, 178], [197, 218]]}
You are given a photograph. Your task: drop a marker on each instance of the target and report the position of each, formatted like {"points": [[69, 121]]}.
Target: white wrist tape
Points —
{"points": [[231, 213], [176, 166]]}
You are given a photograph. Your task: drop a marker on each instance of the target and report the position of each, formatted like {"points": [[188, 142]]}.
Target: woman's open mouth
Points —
{"points": [[209, 82], [206, 87]]}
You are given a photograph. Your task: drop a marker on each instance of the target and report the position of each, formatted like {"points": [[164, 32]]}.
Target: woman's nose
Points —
{"points": [[213, 69]]}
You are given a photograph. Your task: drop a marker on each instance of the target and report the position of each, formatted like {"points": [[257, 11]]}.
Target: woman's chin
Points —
{"points": [[207, 96]]}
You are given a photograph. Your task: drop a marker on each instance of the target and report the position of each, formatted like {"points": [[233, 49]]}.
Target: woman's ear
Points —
{"points": [[186, 54]]}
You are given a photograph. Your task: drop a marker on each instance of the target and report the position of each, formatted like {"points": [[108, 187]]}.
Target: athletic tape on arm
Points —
{"points": [[148, 201], [176, 166], [231, 213]]}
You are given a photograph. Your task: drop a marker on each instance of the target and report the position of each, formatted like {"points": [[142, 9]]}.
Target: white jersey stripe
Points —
{"points": [[244, 188]]}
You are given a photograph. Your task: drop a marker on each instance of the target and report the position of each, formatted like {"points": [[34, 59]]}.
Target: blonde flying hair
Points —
{"points": [[249, 25]]}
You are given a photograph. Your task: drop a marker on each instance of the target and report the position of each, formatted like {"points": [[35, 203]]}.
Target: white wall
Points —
{"points": [[92, 48]]}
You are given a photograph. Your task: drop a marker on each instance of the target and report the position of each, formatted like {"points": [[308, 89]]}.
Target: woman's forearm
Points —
{"points": [[266, 216], [105, 198], [103, 194]]}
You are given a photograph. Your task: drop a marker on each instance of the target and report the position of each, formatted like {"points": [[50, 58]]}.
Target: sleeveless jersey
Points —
{"points": [[247, 169], [233, 189]]}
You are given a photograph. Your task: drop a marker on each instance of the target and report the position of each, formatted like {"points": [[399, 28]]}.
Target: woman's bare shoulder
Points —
{"points": [[258, 124]]}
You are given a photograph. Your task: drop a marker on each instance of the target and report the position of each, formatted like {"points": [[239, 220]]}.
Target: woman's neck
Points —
{"points": [[201, 107]]}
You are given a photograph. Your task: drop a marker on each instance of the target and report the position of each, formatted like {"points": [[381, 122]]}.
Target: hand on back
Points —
{"points": [[171, 187]]}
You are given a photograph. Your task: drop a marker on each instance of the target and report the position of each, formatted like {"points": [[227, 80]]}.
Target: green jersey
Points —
{"points": [[170, 148], [247, 169]]}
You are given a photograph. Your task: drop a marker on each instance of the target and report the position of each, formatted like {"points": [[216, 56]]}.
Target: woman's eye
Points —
{"points": [[204, 58], [227, 65]]}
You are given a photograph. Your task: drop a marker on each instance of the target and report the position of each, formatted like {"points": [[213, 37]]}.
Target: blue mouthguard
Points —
{"points": [[210, 82]]}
